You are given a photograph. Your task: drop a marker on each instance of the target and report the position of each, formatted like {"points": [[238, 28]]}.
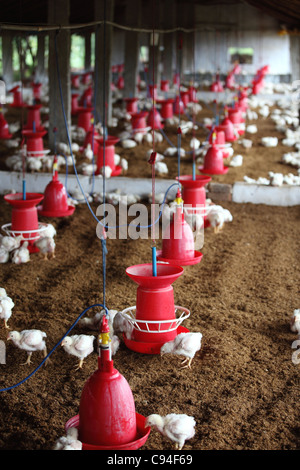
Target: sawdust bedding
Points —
{"points": [[242, 389]]}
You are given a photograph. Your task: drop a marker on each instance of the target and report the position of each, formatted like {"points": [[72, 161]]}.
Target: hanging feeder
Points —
{"points": [[228, 128], [185, 96], [86, 98], [4, 128], [153, 91], [166, 110], [178, 105], [131, 105], [84, 119], [138, 122], [194, 194], [75, 82], [213, 162], [164, 85], [34, 142], [24, 219], [17, 97], [74, 104], [220, 142], [236, 117], [154, 120], [192, 94], [36, 89], [110, 142], [34, 118], [86, 78], [55, 202], [90, 135], [155, 318], [107, 419]]}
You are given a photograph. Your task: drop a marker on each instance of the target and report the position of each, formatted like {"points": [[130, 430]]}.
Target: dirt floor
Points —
{"points": [[243, 387]]}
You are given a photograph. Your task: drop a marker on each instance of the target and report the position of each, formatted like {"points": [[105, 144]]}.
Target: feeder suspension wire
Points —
{"points": [[54, 348]]}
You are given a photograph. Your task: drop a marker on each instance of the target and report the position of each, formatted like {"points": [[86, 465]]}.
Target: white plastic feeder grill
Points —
{"points": [[27, 234], [156, 326], [37, 153]]}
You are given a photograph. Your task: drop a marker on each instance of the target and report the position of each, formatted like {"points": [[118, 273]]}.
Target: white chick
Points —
{"points": [[94, 323], [195, 143], [122, 325], [34, 163], [185, 344], [88, 152], [246, 143], [128, 144], [21, 255], [295, 321], [158, 137], [237, 160], [251, 129], [46, 245], [117, 159], [80, 346], [75, 147], [4, 255], [3, 292], [177, 428], [269, 141], [124, 164], [106, 171], [276, 179], [148, 138], [10, 243], [6, 306], [69, 441], [30, 341], [114, 345], [138, 137], [63, 148], [49, 231], [217, 216], [161, 168], [88, 169]]}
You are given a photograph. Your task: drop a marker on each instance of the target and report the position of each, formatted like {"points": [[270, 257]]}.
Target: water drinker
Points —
{"points": [[86, 98], [107, 419], [192, 94], [75, 81], [34, 118], [55, 202], [24, 219], [236, 117], [120, 83], [34, 142], [107, 148], [155, 318], [4, 128]]}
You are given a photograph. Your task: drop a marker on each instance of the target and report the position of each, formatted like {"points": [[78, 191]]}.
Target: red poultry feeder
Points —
{"points": [[89, 139], [227, 126], [192, 94], [185, 96], [220, 142], [4, 129], [75, 81], [154, 120], [178, 105], [194, 194], [176, 79], [86, 98], [131, 105], [120, 83], [85, 116], [217, 86], [166, 110], [236, 117], [86, 78], [25, 218], [107, 418], [213, 162], [153, 91], [74, 104], [17, 97], [36, 88], [34, 118], [34, 142], [138, 121], [164, 85], [229, 81], [109, 153], [154, 317], [178, 246], [55, 203]]}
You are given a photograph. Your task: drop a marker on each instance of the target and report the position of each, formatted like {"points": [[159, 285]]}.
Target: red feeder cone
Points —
{"points": [[192, 94], [213, 162], [194, 194], [36, 88], [164, 85], [24, 219], [155, 322], [55, 203], [4, 129], [34, 118], [235, 116], [107, 418], [154, 120], [178, 105], [75, 81], [120, 83], [34, 142], [227, 126], [74, 104], [178, 241], [220, 142], [166, 111], [110, 143], [153, 91], [185, 98], [138, 121], [17, 101], [131, 105], [84, 117]]}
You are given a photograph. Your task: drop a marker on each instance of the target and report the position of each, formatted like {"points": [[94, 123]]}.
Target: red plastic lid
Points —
{"points": [[181, 262], [142, 275], [16, 200], [188, 181]]}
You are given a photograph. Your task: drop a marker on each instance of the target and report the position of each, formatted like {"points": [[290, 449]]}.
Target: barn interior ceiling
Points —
{"points": [[32, 12]]}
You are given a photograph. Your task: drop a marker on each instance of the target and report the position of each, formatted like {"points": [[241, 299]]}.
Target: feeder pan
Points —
{"points": [[36, 88], [178, 105], [166, 110], [164, 85], [155, 318], [4, 129], [17, 101], [84, 117], [110, 143], [34, 118], [55, 203], [227, 126], [34, 142], [217, 86], [24, 217], [131, 105], [213, 162], [107, 419], [194, 194], [138, 121], [154, 120], [178, 243]]}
